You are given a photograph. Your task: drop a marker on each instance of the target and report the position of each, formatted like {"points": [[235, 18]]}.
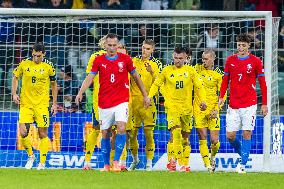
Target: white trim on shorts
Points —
{"points": [[241, 119], [109, 116]]}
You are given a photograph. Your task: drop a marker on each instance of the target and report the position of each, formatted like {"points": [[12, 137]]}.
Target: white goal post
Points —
{"points": [[270, 161]]}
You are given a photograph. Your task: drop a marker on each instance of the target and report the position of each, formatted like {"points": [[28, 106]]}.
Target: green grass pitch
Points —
{"points": [[63, 179]]}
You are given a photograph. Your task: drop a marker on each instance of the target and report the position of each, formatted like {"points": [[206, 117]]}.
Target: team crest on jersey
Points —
{"points": [[41, 71], [120, 66], [249, 67], [185, 74], [209, 78]]}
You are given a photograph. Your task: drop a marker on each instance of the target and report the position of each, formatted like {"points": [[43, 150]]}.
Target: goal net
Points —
{"points": [[71, 36]]}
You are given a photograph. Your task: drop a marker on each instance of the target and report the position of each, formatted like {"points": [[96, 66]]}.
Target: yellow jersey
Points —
{"points": [[178, 85], [146, 77], [212, 80], [96, 79], [35, 82]]}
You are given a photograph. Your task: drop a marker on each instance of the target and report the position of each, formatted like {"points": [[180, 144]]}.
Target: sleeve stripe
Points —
{"points": [[259, 75], [226, 73], [93, 73], [132, 72]]}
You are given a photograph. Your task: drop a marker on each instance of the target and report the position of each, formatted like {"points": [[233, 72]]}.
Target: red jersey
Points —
{"points": [[113, 78], [242, 74]]}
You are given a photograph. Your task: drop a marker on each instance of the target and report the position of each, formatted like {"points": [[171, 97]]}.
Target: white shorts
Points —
{"points": [[241, 119], [109, 116]]}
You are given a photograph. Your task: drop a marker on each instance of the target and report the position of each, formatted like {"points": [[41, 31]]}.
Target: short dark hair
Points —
{"points": [[111, 36], [180, 49], [39, 47], [149, 42], [68, 70], [244, 37]]}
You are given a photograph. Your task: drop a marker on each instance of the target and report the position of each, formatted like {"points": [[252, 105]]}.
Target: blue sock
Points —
{"points": [[105, 149], [245, 151], [119, 145], [236, 144]]}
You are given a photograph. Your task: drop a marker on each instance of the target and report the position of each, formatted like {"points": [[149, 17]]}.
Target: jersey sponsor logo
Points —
{"points": [[120, 66], [253, 86], [226, 162], [68, 160], [172, 76], [104, 65], [232, 65]]}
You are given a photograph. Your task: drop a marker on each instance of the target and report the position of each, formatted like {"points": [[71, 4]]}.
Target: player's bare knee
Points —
{"points": [[42, 132], [231, 136], [247, 134], [185, 134], [24, 130], [105, 133], [214, 140], [202, 133], [121, 130]]}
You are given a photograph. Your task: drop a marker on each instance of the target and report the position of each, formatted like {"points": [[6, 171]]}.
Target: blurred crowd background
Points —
{"points": [[71, 44]]}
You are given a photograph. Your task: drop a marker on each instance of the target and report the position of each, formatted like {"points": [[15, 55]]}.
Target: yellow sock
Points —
{"points": [[111, 157], [90, 144], [170, 151], [215, 148], [150, 145], [123, 154], [27, 145], [134, 142], [177, 140], [186, 155], [43, 149], [204, 152]]}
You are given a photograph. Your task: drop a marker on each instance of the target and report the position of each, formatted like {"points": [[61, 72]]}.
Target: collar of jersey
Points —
{"points": [[140, 57], [243, 58], [109, 58]]}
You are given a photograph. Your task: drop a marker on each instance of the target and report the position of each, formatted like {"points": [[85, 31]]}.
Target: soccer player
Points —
{"points": [[209, 119], [178, 80], [184, 160], [113, 69], [37, 73], [147, 68], [92, 137], [241, 70]]}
